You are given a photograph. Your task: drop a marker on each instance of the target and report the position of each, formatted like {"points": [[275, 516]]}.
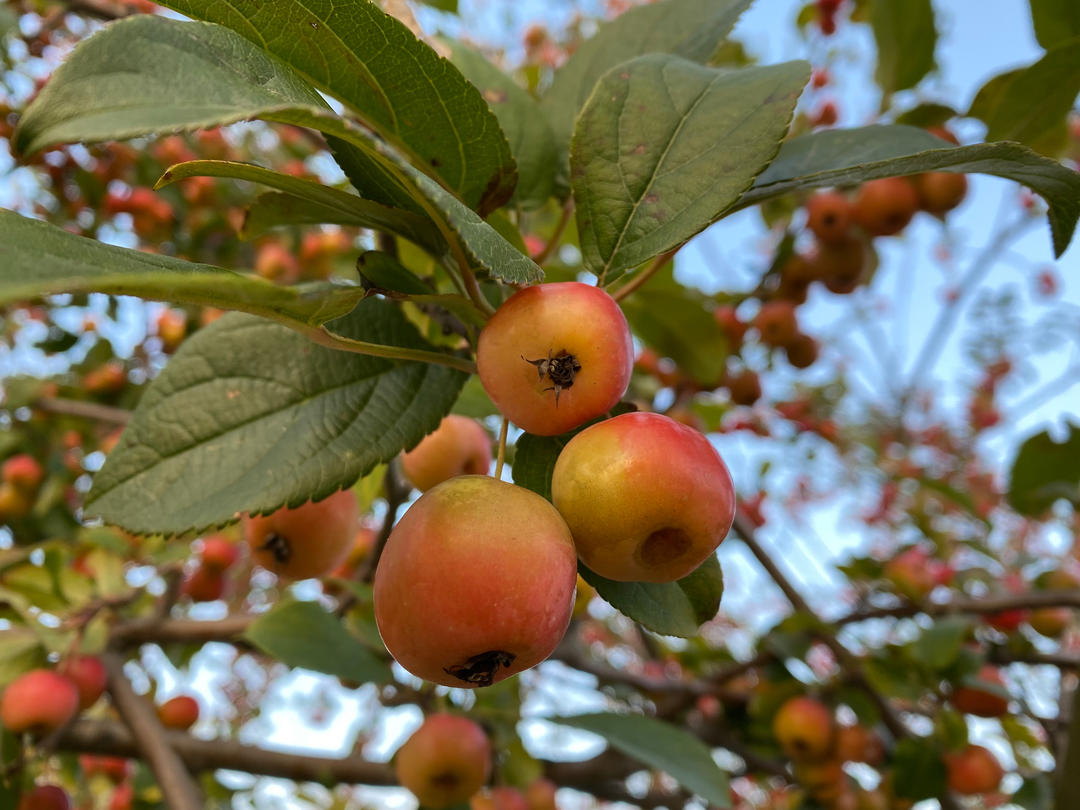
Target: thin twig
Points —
{"points": [[324, 337], [177, 787], [502, 448], [556, 235], [395, 492], [87, 410], [638, 280]]}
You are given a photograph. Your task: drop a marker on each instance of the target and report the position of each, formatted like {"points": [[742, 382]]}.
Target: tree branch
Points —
{"points": [[87, 410], [980, 606]]}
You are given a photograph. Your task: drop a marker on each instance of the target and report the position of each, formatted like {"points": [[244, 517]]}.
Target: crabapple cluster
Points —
{"points": [[638, 497]]}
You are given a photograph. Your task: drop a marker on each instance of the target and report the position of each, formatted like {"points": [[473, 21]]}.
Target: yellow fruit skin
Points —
{"points": [[458, 446], [309, 541], [445, 761], [804, 728]]}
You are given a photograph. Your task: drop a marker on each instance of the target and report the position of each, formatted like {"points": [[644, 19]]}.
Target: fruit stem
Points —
{"points": [[475, 295], [502, 449], [325, 337], [556, 235], [638, 280]]}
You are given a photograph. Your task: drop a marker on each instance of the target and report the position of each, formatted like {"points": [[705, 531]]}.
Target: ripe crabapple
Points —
{"points": [[973, 770], [88, 674], [179, 712], [728, 320], [309, 541], [39, 701], [802, 351], [499, 798], [841, 265], [829, 216], [646, 498], [983, 697], [458, 446], [218, 553], [445, 761], [1050, 621], [362, 545], [115, 768], [776, 323], [555, 356], [885, 206], [45, 797], [940, 192], [804, 728], [1006, 620], [204, 585], [540, 794], [458, 598], [22, 471], [912, 572], [859, 744]]}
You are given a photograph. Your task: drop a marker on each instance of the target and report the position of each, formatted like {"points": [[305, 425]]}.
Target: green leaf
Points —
{"points": [[693, 29], [851, 156], [383, 274], [532, 142], [940, 644], [302, 634], [905, 36], [660, 746], [395, 84], [919, 769], [928, 114], [669, 608], [1044, 471], [645, 183], [484, 246], [1056, 21], [317, 202], [1030, 105], [20, 651], [38, 259], [249, 416]]}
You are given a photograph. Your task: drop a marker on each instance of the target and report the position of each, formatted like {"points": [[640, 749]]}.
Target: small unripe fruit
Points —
{"points": [[776, 323], [828, 215], [804, 728], [308, 541], [14, 503], [980, 700], [973, 770], [179, 712], [88, 674], [45, 797], [218, 553], [499, 798], [445, 761], [646, 498], [39, 701], [555, 356], [884, 207], [23, 471], [458, 446], [458, 596], [940, 192]]}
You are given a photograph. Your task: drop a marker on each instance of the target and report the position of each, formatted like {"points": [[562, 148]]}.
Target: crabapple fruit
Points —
{"points": [[22, 471], [804, 728], [940, 192], [554, 356], [973, 770], [39, 701], [1050, 621], [204, 585], [179, 712], [458, 598], [309, 541], [776, 322], [115, 768], [540, 794], [828, 215], [88, 674], [646, 498], [458, 446], [885, 206], [980, 699], [45, 797], [445, 761], [499, 798], [802, 351], [218, 553]]}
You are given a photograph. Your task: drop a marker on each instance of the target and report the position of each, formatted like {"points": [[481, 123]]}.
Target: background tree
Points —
{"points": [[927, 652]]}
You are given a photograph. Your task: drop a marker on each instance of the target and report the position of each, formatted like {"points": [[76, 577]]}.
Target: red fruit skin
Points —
{"points": [[1007, 620], [804, 728], [1050, 622], [940, 192], [204, 585], [646, 498], [123, 797], [538, 323], [981, 702], [445, 761], [39, 701], [885, 206], [499, 798], [828, 215], [459, 579], [218, 553], [45, 797], [540, 795], [973, 770], [776, 322], [309, 541], [88, 674], [458, 446], [115, 768], [23, 472], [179, 712]]}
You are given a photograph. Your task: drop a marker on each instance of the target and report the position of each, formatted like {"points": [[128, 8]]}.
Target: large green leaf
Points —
{"points": [[905, 36], [249, 416], [852, 156], [1056, 21], [394, 83], [38, 259], [1030, 104], [670, 608], [531, 140], [661, 746], [325, 204], [693, 29], [1045, 471], [302, 634], [665, 145]]}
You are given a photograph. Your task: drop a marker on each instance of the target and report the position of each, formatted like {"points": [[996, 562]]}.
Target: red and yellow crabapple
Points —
{"points": [[445, 761], [309, 541], [458, 446]]}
